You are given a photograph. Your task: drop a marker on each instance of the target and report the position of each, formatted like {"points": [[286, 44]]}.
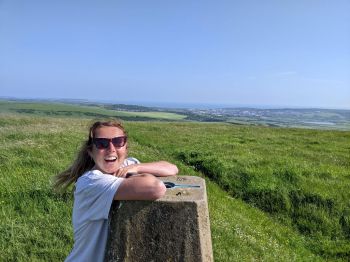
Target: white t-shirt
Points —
{"points": [[93, 197]]}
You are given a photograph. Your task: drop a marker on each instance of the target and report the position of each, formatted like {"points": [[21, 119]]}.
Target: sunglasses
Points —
{"points": [[103, 143]]}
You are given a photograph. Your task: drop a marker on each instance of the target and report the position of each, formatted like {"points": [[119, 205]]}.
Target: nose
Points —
{"points": [[111, 147]]}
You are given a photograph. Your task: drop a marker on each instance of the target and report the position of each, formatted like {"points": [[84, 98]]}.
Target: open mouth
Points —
{"points": [[111, 159]]}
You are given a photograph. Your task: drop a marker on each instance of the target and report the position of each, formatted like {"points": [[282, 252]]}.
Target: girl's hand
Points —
{"points": [[127, 171]]}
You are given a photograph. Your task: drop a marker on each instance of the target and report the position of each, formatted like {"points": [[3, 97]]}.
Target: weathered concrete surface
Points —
{"points": [[173, 228]]}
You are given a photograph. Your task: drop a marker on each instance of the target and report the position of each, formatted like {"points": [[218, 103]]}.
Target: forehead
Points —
{"points": [[108, 132]]}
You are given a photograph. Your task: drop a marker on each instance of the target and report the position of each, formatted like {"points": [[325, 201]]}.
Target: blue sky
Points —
{"points": [[272, 53]]}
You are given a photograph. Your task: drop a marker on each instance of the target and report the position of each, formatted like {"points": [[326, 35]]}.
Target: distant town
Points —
{"points": [[332, 119], [282, 117]]}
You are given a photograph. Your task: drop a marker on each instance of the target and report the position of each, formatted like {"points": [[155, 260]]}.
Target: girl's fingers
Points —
{"points": [[126, 171]]}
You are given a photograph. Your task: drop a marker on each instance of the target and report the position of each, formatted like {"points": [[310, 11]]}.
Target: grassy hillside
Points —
{"points": [[299, 177], [274, 194], [75, 110]]}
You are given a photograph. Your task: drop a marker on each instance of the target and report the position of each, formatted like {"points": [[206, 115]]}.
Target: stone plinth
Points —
{"points": [[173, 228]]}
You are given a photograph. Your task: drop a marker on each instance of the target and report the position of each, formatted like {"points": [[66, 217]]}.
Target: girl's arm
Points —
{"points": [[143, 185], [140, 187], [160, 168]]}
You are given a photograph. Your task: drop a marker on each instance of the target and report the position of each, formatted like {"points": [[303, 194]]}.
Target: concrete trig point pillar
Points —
{"points": [[173, 228]]}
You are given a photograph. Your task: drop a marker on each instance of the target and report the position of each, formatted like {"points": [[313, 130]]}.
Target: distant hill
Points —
{"points": [[314, 118]]}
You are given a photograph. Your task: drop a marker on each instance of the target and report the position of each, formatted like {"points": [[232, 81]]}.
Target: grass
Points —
{"points": [[67, 110], [156, 115], [299, 177], [273, 194]]}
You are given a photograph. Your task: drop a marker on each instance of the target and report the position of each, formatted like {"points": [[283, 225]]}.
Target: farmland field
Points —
{"points": [[310, 118], [275, 194], [69, 110]]}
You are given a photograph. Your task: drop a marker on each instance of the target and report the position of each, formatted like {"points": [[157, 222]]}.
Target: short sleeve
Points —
{"points": [[94, 194]]}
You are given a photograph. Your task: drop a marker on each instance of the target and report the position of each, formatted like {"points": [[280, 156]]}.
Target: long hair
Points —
{"points": [[83, 161]]}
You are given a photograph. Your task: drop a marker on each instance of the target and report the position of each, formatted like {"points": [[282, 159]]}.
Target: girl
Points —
{"points": [[102, 172]]}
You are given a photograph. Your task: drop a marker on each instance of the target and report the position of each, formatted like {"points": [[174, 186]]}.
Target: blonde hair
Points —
{"points": [[83, 161]]}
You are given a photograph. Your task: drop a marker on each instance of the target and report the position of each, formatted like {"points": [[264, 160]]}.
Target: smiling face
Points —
{"points": [[108, 160]]}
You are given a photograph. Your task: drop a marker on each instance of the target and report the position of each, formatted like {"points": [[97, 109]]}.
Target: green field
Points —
{"points": [[74, 110], [274, 194]]}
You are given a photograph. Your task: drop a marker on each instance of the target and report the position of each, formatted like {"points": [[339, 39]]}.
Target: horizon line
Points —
{"points": [[179, 105]]}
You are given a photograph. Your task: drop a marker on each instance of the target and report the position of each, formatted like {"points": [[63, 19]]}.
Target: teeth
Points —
{"points": [[110, 158]]}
